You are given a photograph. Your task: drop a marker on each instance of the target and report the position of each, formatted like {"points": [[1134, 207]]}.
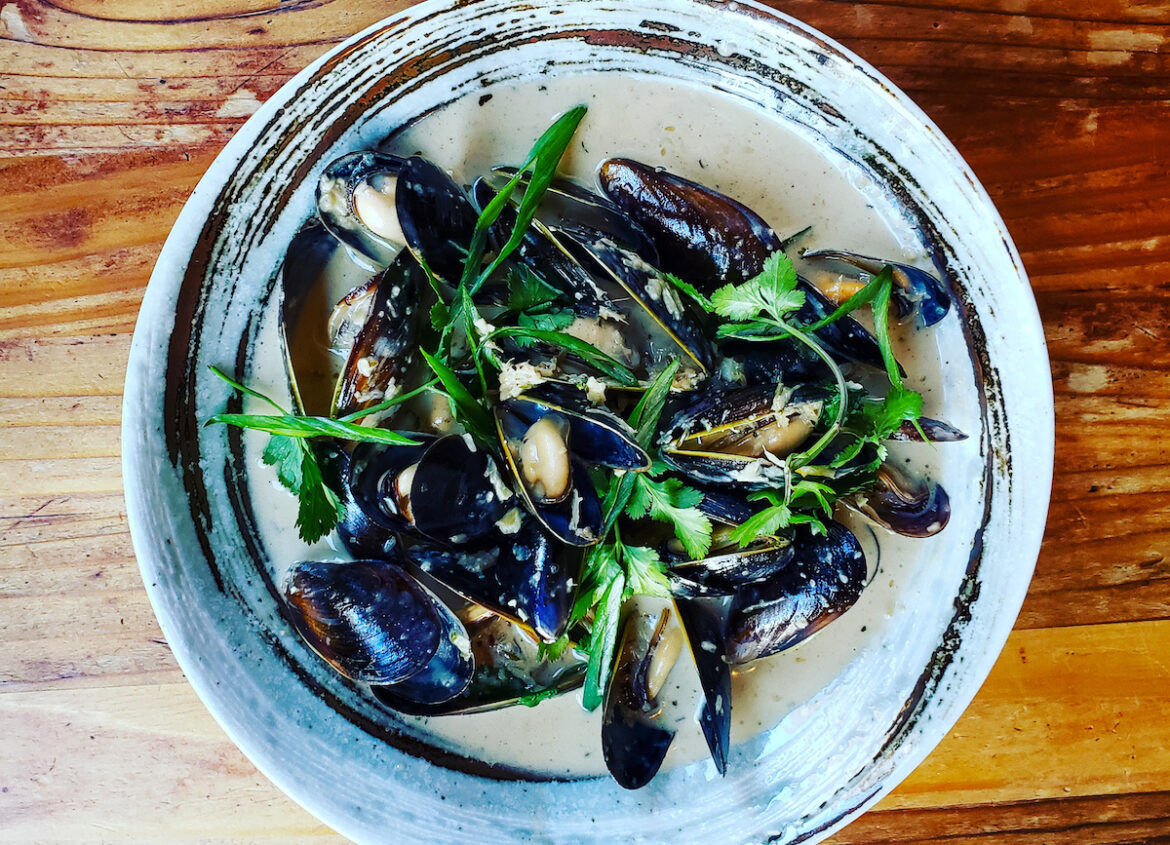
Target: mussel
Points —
{"points": [[915, 292], [374, 623], [634, 739], [550, 440]]}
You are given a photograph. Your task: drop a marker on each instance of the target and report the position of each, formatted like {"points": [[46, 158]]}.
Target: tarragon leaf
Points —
{"points": [[589, 353], [690, 290], [291, 425], [601, 643], [644, 417]]}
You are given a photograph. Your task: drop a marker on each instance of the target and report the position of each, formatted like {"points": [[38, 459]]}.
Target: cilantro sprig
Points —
{"points": [[319, 508]]}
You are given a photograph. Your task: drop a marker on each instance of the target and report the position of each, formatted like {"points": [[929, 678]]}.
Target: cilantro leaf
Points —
{"points": [[320, 508], [284, 453], [526, 290], [772, 293], [546, 321], [671, 501], [645, 573]]}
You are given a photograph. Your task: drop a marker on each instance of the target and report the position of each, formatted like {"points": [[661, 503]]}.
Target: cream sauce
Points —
{"points": [[766, 164]]}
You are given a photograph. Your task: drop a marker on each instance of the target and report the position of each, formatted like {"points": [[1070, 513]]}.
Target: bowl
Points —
{"points": [[670, 81]]}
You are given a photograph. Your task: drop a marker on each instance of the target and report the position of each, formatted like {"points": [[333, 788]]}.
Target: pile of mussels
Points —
{"points": [[467, 556]]}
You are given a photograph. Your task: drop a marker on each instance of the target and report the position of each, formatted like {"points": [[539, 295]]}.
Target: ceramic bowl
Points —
{"points": [[861, 712]]}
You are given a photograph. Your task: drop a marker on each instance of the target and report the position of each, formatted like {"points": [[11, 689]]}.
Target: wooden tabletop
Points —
{"points": [[109, 113]]}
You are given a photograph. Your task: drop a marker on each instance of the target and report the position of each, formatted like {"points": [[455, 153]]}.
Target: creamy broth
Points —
{"points": [[769, 166]]}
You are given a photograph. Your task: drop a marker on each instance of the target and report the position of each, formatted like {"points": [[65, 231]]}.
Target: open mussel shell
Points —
{"points": [[737, 436], [523, 576], [566, 203], [551, 439], [446, 489], [845, 339], [508, 667], [645, 298], [356, 201], [704, 621], [436, 216], [545, 257], [915, 290], [375, 623], [385, 346], [776, 361], [634, 739], [701, 235], [936, 431], [824, 579], [906, 506], [732, 567]]}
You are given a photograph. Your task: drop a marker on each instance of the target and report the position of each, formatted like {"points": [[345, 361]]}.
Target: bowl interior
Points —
{"points": [[860, 708]]}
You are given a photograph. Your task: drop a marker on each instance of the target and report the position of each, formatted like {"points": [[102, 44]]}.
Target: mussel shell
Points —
{"points": [[633, 742], [302, 293], [596, 438], [735, 567], [335, 206], [936, 431], [384, 349], [644, 289], [457, 494], [369, 619], [567, 203], [372, 467], [824, 579], [521, 576], [701, 235], [447, 675], [704, 622], [915, 291], [912, 508], [773, 362], [436, 216], [718, 408], [507, 668]]}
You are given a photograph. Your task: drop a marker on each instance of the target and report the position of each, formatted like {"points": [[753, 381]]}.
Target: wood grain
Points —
{"points": [[111, 111]]}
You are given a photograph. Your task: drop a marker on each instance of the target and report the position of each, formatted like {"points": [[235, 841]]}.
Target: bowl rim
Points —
{"points": [[177, 253]]}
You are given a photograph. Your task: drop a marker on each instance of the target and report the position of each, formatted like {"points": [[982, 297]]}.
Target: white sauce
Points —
{"points": [[773, 170]]}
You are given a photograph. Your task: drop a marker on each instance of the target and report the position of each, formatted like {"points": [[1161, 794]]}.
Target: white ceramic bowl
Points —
{"points": [[833, 752]]}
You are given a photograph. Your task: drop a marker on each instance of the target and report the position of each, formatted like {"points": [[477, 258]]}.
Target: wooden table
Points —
{"points": [[110, 112]]}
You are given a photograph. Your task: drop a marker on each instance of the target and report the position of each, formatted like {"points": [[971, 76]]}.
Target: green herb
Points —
{"points": [[644, 417], [781, 513], [533, 699], [671, 501], [690, 290], [587, 352], [292, 425], [602, 639], [469, 411], [543, 159]]}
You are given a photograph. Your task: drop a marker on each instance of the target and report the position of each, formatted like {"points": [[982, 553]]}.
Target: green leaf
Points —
{"points": [[766, 522], [644, 417], [549, 321], [526, 290], [690, 290], [473, 414], [773, 292], [645, 573], [533, 699], [387, 404], [587, 352], [555, 650], [320, 508], [286, 455], [862, 297], [440, 316], [243, 388], [671, 501], [602, 640], [543, 159], [291, 425]]}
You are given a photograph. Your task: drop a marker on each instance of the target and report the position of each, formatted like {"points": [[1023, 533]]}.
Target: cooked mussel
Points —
{"points": [[384, 349], [906, 506], [634, 739], [517, 572], [509, 667], [446, 489], [824, 579], [375, 623], [551, 438], [701, 235], [740, 436], [915, 291], [356, 200]]}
